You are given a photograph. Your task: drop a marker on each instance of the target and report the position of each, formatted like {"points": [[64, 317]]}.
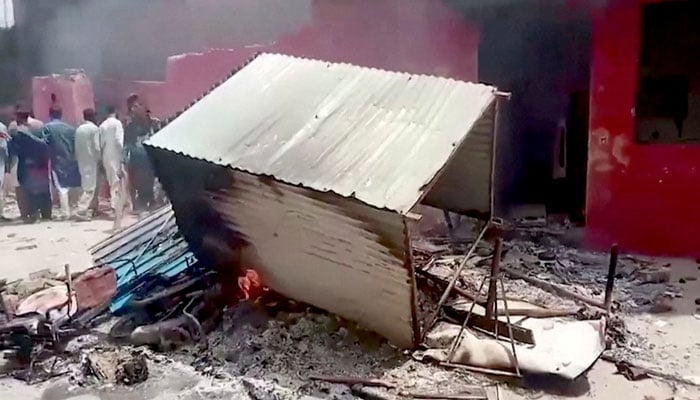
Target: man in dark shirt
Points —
{"points": [[60, 138], [32, 169], [139, 170]]}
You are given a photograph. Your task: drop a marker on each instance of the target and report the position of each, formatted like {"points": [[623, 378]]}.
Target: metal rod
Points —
{"points": [[352, 380], [507, 95], [516, 312], [448, 220], [440, 396], [69, 285], [488, 371], [452, 283], [552, 288], [610, 284], [491, 305], [510, 327], [453, 348]]}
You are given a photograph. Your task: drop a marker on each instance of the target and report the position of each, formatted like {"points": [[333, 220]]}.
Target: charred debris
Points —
{"points": [[293, 252], [478, 295]]}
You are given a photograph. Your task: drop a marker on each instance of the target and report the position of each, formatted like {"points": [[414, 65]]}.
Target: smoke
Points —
{"points": [[542, 59], [131, 39]]}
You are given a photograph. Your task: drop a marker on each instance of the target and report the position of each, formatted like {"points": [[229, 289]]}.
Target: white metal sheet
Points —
{"points": [[374, 135], [346, 258]]}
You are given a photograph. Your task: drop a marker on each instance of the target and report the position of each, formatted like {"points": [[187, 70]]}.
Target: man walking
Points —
{"points": [[36, 127], [89, 156], [64, 167], [139, 170], [32, 155], [112, 145]]}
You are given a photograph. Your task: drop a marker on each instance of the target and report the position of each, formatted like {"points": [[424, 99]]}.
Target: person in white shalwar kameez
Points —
{"points": [[89, 154], [112, 145]]}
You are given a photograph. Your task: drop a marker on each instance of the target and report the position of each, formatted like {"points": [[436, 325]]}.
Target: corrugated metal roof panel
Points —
{"points": [[470, 168], [377, 136], [151, 248], [328, 251]]}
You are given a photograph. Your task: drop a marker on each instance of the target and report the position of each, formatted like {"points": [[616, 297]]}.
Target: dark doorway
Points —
{"points": [[576, 157], [543, 60]]}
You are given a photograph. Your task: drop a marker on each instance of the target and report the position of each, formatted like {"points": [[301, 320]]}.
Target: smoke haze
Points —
{"points": [[130, 39]]}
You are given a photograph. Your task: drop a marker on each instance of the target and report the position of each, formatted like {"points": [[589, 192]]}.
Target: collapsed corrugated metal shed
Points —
{"points": [[325, 162], [145, 251]]}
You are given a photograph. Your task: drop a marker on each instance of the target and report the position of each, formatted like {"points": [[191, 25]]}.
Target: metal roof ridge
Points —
{"points": [[235, 70], [376, 69]]}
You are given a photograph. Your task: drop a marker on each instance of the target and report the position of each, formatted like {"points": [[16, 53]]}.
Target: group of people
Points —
{"points": [[79, 160]]}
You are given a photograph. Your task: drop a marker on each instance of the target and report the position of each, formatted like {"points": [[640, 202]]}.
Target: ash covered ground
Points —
{"points": [[254, 355]]}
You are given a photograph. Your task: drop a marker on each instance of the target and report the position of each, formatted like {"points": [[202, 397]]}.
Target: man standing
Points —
{"points": [[36, 127], [139, 171], [32, 155], [65, 172], [88, 153], [112, 145]]}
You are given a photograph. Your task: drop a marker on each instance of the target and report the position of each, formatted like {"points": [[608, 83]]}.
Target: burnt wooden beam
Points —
{"points": [[610, 284], [491, 305], [520, 334]]}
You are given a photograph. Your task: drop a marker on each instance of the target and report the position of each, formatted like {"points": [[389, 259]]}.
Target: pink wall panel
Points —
{"points": [[190, 75], [73, 92]]}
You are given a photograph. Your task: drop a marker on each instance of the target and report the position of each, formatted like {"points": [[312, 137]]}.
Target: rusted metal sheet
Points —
{"points": [[332, 252], [377, 136]]}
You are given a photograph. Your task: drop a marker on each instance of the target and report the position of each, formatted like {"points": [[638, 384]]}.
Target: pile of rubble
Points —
{"points": [[311, 353], [641, 284], [269, 346], [40, 314]]}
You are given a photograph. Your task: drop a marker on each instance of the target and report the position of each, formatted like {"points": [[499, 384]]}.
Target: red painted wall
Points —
{"points": [[646, 197], [73, 92]]}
